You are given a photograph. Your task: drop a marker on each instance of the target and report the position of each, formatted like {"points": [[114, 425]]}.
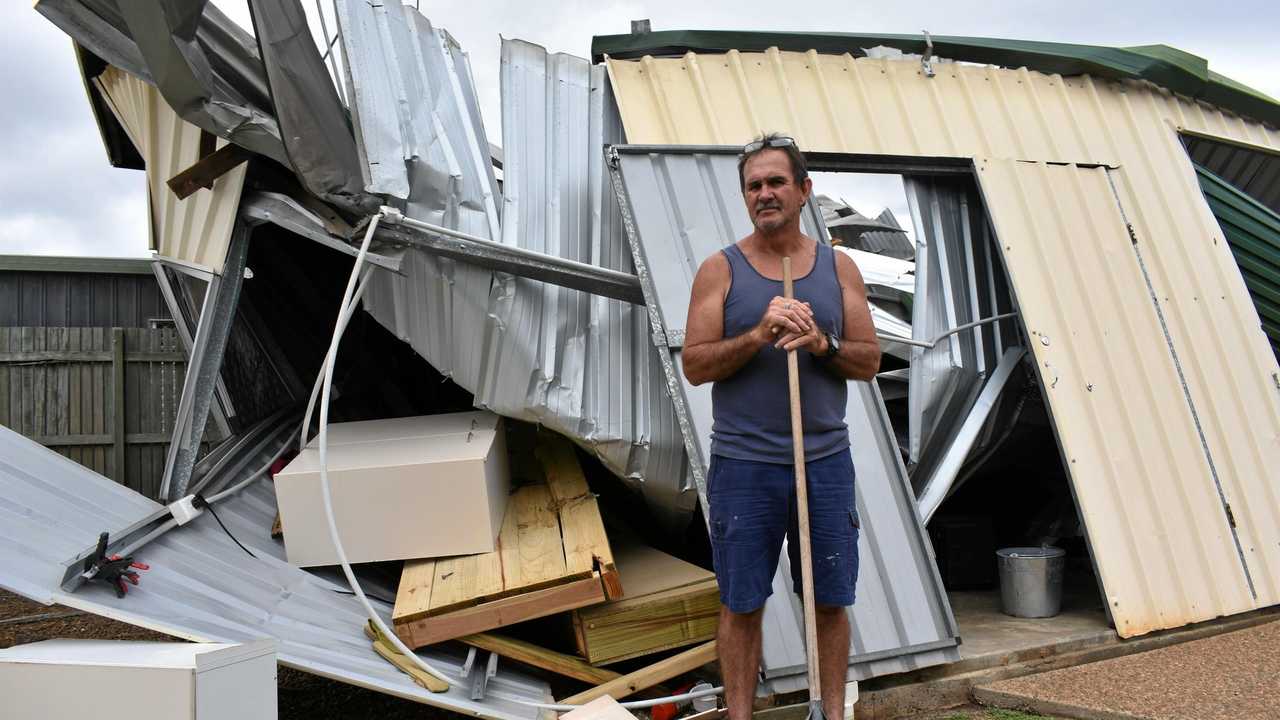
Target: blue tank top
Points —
{"points": [[751, 409]]}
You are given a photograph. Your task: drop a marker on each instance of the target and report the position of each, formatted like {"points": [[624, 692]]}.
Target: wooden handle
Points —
{"points": [[802, 504]]}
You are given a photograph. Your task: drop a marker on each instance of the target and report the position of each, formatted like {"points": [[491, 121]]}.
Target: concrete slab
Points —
{"points": [[989, 637], [1228, 676]]}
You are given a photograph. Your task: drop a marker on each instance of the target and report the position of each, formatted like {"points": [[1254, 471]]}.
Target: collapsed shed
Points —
{"points": [[558, 297]]}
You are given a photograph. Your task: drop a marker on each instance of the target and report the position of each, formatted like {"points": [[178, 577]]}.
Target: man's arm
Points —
{"points": [[859, 356], [708, 355]]}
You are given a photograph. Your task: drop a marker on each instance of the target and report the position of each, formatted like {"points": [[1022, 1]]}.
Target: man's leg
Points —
{"points": [[738, 644], [833, 658]]}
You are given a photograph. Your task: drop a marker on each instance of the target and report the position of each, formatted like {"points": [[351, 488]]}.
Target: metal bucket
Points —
{"points": [[1031, 581]]}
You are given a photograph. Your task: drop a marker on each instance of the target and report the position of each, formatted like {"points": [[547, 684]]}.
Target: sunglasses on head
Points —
{"points": [[774, 142]]}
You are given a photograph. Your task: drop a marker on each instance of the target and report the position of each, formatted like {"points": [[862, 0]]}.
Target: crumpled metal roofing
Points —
{"points": [[421, 141], [313, 121], [202, 62], [582, 365], [890, 244], [1228, 369], [952, 289], [681, 205], [202, 587]]}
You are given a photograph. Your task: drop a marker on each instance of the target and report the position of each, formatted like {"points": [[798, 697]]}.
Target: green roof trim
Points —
{"points": [[71, 264], [1253, 234], [1168, 67]]}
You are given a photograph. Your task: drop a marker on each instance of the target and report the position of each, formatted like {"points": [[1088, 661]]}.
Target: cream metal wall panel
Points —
{"points": [[582, 365], [1161, 542], [196, 230], [838, 103], [683, 204], [988, 112]]}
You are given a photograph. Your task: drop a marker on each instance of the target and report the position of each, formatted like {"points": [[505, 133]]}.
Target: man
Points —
{"points": [[738, 331]]}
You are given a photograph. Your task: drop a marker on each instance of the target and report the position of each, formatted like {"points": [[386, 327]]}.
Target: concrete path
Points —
{"points": [[1232, 676]]}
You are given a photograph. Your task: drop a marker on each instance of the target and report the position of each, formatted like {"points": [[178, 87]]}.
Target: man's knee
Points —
{"points": [[831, 613], [740, 621]]}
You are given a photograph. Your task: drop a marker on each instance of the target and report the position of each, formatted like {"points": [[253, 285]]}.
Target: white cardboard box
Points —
{"points": [[119, 680], [401, 489]]}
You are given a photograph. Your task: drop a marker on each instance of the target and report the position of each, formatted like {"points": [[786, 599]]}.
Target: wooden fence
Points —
{"points": [[104, 397]]}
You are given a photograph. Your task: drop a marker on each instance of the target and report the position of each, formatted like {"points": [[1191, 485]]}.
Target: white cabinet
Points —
{"points": [[118, 680], [405, 488]]}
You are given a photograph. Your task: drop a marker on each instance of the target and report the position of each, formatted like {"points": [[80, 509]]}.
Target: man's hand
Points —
{"points": [[784, 318], [815, 341]]}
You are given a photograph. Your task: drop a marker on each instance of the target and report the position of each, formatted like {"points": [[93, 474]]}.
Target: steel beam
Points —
{"points": [[204, 366], [478, 251]]}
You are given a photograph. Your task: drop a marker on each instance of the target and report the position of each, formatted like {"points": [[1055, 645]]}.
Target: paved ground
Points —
{"points": [[1235, 676]]}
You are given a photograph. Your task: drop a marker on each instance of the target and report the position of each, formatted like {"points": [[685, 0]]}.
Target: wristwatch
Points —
{"points": [[833, 346]]}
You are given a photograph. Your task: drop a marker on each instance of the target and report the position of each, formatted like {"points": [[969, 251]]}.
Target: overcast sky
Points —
{"points": [[58, 195]]}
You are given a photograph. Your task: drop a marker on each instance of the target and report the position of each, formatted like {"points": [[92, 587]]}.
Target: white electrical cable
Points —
{"points": [[349, 300], [344, 318]]}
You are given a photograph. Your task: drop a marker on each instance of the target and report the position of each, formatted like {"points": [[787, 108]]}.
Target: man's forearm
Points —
{"points": [[857, 360], [712, 361]]}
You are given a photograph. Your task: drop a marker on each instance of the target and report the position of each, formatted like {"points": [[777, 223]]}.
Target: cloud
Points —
{"points": [[60, 195]]}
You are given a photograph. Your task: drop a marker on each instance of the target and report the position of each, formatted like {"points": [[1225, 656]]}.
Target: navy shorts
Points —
{"points": [[753, 506]]}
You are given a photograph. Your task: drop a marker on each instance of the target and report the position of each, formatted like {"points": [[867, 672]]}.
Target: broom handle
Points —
{"points": [[802, 506]]}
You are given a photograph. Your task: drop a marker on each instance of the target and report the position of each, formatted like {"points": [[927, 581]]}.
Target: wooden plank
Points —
{"points": [[586, 546], [99, 454], [466, 580], [537, 555], [4, 381], [207, 169], [499, 613], [644, 625], [117, 405], [540, 657], [560, 465], [530, 556], [77, 356], [413, 598], [100, 439], [647, 677]]}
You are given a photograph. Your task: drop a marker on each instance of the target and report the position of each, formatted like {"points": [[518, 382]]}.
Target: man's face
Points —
{"points": [[773, 198]]}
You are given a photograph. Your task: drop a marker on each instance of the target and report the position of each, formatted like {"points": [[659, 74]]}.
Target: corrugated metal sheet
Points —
{"points": [[982, 111], [78, 299], [682, 205], [196, 230], [420, 140], [579, 364], [1143, 478], [202, 587], [1253, 231], [1249, 170], [891, 244]]}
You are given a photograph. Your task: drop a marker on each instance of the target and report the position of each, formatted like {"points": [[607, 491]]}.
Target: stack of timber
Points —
{"points": [[669, 603], [552, 556]]}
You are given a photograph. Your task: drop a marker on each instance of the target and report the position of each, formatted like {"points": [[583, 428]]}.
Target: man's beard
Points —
{"points": [[770, 222]]}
